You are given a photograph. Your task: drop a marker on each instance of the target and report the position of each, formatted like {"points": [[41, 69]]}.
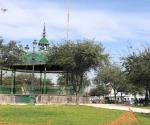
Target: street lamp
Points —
{"points": [[34, 44], [33, 61], [27, 48]]}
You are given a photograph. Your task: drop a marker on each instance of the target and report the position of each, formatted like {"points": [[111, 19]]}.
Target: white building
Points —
{"points": [[126, 97]]}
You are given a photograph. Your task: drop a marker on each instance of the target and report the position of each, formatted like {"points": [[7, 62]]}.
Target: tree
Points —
{"points": [[64, 81], [112, 75], [134, 90], [10, 53], [137, 67], [100, 90], [77, 58]]}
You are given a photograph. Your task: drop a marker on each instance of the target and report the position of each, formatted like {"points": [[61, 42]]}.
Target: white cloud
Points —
{"points": [[26, 22]]}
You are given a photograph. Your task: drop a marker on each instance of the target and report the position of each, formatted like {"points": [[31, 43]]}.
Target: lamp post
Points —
{"points": [[27, 48], [33, 61]]}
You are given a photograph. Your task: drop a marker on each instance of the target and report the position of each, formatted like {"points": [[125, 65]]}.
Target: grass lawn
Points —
{"points": [[62, 115]]}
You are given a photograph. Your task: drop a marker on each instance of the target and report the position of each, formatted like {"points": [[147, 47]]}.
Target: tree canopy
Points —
{"points": [[10, 53], [113, 76], [77, 58], [137, 67]]}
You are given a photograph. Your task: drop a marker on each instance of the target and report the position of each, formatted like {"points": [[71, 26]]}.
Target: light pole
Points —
{"points": [[33, 61], [27, 48]]}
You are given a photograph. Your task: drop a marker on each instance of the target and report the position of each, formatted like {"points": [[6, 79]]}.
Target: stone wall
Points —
{"points": [[48, 99], [7, 99], [41, 99]]}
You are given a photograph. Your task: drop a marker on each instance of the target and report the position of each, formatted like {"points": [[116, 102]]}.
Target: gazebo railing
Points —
{"points": [[26, 90]]}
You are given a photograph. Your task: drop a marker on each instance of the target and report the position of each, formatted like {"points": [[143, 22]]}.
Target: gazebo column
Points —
{"points": [[13, 75], [14, 82], [45, 86], [41, 82], [67, 87], [67, 80]]}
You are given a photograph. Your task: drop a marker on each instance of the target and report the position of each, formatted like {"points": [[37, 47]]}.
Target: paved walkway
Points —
{"points": [[119, 107]]}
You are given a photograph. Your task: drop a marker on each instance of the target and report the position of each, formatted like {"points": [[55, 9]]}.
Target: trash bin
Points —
{"points": [[26, 99]]}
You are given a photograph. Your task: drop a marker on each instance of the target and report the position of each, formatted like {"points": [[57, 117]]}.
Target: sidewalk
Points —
{"points": [[119, 107]]}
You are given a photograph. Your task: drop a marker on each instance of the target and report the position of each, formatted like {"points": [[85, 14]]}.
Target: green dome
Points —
{"points": [[43, 41], [38, 58]]}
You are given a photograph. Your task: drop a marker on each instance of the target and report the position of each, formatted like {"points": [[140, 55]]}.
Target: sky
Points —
{"points": [[117, 24]]}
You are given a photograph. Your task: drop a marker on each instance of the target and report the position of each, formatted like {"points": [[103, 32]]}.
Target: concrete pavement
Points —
{"points": [[119, 107]]}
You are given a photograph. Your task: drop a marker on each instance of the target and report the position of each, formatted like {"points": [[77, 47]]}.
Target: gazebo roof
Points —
{"points": [[36, 58], [39, 60]]}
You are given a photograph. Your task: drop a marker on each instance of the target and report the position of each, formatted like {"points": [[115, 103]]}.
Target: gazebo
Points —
{"points": [[35, 62]]}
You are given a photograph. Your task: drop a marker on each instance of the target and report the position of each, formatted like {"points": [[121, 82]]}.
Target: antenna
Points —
{"points": [[68, 21], [44, 31]]}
